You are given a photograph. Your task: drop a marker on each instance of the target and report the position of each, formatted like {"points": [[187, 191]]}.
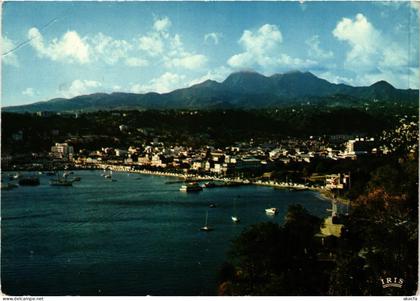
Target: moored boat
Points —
{"points": [[209, 184], [188, 187], [61, 182], [206, 227], [235, 219], [272, 211]]}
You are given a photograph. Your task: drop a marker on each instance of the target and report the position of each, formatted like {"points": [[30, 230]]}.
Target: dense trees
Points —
{"points": [[215, 127], [379, 240], [269, 259]]}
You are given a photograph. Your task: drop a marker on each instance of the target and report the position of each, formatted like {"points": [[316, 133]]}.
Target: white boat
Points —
{"points": [[206, 226], [61, 181], [234, 217], [188, 187], [109, 175], [67, 173], [272, 211]]}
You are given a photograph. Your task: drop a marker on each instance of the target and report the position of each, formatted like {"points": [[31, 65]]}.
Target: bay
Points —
{"points": [[135, 236]]}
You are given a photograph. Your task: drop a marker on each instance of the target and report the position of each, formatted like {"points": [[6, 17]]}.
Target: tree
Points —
{"points": [[270, 259]]}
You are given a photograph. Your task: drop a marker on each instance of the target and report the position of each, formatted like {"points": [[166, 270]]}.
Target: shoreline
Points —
{"points": [[324, 193]]}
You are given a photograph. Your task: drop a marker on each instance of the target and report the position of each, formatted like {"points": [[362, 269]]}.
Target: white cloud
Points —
{"points": [[166, 48], [266, 38], [212, 37], [152, 44], [109, 50], [414, 78], [394, 56], [157, 46], [136, 62], [162, 24], [372, 55], [263, 48], [28, 92], [362, 37], [407, 78], [70, 47], [163, 84], [334, 78], [218, 74], [80, 87], [189, 61], [315, 51], [7, 56]]}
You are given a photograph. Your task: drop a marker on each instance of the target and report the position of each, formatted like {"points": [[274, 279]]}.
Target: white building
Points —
{"points": [[62, 151], [120, 152]]}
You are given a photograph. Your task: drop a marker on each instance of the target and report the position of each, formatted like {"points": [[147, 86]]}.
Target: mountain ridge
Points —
{"points": [[243, 89]]}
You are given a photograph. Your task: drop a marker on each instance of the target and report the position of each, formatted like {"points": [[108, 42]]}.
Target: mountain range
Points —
{"points": [[243, 90]]}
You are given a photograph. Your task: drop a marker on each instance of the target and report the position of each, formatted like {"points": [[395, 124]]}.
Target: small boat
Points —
{"points": [[67, 173], [272, 211], [29, 181], [108, 175], [234, 217], [77, 179], [15, 176], [188, 187], [61, 182], [206, 226], [212, 205], [209, 184]]}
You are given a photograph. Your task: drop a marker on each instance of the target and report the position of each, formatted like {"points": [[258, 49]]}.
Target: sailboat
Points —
{"points": [[234, 217], [206, 227], [109, 175], [61, 181]]}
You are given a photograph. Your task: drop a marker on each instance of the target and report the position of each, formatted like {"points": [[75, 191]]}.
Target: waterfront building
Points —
{"points": [[359, 146], [62, 151]]}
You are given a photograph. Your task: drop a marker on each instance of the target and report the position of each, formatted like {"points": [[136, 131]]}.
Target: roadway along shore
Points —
{"points": [[325, 193]]}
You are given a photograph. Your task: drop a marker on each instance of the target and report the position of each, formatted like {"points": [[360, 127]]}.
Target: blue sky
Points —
{"points": [[64, 49]]}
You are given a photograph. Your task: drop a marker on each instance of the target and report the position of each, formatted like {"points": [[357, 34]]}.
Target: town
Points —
{"points": [[289, 162]]}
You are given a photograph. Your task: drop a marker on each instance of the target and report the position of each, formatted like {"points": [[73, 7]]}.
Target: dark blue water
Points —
{"points": [[129, 237]]}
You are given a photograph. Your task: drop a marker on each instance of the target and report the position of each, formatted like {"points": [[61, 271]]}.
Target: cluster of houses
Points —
{"points": [[242, 158]]}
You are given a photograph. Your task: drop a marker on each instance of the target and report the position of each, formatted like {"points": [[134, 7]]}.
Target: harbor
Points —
{"points": [[90, 232]]}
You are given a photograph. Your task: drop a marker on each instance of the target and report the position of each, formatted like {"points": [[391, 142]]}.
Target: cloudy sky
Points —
{"points": [[65, 49]]}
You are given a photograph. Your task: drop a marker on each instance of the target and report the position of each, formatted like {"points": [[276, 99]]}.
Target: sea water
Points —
{"points": [[137, 235]]}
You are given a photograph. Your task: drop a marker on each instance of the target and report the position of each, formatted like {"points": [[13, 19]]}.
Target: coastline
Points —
{"points": [[324, 193]]}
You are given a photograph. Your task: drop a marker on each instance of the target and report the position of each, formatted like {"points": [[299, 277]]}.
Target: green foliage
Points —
{"points": [[381, 236], [270, 259], [195, 128], [379, 240]]}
